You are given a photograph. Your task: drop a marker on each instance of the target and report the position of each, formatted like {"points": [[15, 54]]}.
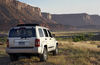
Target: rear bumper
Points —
{"points": [[23, 50]]}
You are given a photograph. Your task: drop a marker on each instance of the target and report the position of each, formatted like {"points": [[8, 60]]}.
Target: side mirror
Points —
{"points": [[53, 35]]}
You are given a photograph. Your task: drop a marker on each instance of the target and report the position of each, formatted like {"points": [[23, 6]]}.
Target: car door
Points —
{"points": [[47, 39], [41, 36], [51, 40]]}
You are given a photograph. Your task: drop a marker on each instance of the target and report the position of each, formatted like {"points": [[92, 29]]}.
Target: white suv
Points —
{"points": [[30, 40]]}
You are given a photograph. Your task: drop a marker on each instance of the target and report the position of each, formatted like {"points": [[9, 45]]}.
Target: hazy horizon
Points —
{"points": [[66, 6]]}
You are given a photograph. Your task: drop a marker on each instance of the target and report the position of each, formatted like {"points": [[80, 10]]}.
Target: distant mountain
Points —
{"points": [[96, 19], [54, 25], [80, 21], [13, 12], [73, 19]]}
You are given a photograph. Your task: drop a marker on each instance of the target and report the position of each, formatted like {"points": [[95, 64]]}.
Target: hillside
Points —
{"points": [[13, 12], [96, 19], [73, 19], [55, 26], [84, 21]]}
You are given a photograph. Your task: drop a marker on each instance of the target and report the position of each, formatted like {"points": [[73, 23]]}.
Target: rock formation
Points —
{"points": [[47, 15], [73, 19], [13, 12]]}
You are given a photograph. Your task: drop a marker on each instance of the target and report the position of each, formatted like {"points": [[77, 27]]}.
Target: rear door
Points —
{"points": [[47, 38], [41, 36], [22, 37], [51, 39]]}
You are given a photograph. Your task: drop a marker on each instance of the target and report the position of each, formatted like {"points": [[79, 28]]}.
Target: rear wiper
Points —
{"points": [[22, 36]]}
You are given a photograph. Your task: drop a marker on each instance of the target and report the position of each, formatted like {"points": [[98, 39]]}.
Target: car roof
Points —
{"points": [[29, 26]]}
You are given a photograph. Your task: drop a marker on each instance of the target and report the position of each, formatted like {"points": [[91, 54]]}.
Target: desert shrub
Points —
{"points": [[3, 39], [82, 37], [63, 39], [76, 37]]}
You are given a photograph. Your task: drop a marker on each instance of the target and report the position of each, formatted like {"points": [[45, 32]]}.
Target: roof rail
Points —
{"points": [[28, 25]]}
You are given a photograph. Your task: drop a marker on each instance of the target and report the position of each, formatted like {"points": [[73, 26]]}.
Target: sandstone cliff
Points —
{"points": [[21, 6], [47, 15], [80, 21], [96, 19], [13, 12], [73, 19]]}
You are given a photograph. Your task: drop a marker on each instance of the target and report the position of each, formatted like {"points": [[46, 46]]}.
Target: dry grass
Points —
{"points": [[80, 53], [58, 60], [69, 33], [70, 53]]}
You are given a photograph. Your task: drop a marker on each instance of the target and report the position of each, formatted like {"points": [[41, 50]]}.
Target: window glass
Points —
{"points": [[25, 32], [41, 32], [45, 32], [49, 33]]}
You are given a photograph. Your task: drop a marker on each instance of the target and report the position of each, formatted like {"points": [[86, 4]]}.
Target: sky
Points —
{"points": [[66, 6]]}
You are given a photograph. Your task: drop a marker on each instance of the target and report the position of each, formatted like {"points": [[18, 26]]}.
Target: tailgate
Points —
{"points": [[22, 37], [28, 42]]}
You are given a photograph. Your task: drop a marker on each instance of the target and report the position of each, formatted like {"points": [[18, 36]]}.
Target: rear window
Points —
{"points": [[41, 33], [23, 32]]}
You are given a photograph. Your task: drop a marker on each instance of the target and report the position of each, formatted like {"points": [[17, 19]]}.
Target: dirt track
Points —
{"points": [[5, 60]]}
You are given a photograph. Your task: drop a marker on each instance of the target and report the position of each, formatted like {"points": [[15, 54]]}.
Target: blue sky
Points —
{"points": [[66, 6]]}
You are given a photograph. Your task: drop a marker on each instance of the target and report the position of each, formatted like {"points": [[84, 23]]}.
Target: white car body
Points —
{"points": [[18, 45]]}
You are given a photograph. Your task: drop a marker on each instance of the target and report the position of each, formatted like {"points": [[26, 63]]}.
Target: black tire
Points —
{"points": [[13, 57], [55, 52], [44, 56], [29, 57]]}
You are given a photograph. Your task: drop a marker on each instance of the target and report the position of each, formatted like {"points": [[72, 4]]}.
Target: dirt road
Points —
{"points": [[6, 61]]}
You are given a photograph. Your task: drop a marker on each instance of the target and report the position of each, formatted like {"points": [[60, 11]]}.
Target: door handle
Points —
{"points": [[50, 38]]}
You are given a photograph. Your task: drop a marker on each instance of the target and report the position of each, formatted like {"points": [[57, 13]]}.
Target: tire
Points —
{"points": [[44, 56], [29, 57], [55, 52], [13, 57]]}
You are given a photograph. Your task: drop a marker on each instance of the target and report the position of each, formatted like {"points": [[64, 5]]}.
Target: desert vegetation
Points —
{"points": [[70, 53], [84, 52]]}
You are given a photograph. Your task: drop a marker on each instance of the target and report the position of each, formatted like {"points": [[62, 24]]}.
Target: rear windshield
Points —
{"points": [[24, 32]]}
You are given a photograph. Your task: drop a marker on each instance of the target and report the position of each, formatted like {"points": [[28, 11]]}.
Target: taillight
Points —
{"points": [[7, 43], [37, 42]]}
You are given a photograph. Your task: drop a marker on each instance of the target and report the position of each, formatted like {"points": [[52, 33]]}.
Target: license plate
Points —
{"points": [[21, 43]]}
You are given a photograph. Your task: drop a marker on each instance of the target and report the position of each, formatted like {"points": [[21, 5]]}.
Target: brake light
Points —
{"points": [[7, 43], [37, 42]]}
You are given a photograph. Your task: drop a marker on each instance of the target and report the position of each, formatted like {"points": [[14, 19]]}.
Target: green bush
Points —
{"points": [[82, 37], [63, 39], [3, 39]]}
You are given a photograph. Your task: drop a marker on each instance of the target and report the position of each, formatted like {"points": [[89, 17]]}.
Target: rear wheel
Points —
{"points": [[55, 52], [13, 57], [44, 56]]}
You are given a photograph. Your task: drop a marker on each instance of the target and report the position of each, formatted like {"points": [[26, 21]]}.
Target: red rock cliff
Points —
{"points": [[13, 12]]}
